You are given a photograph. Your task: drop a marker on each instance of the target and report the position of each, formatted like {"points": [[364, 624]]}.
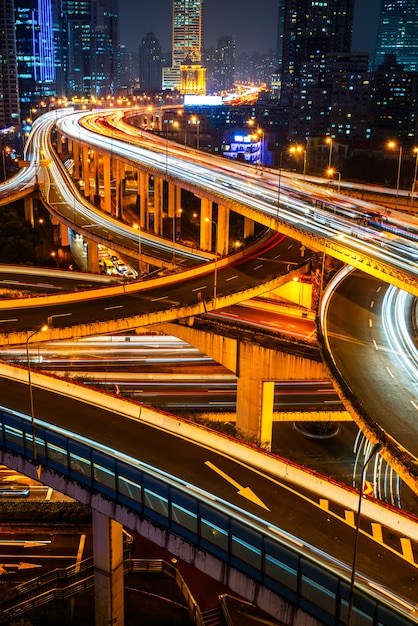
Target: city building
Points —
{"points": [[34, 52], [9, 87], [308, 31], [394, 102], [150, 63], [186, 44], [398, 33], [86, 42]]}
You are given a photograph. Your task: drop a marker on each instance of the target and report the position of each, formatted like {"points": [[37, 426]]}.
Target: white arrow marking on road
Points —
{"points": [[5, 567], [24, 543], [245, 492]]}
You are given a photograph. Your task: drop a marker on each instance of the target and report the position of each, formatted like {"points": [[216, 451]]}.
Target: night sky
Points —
{"points": [[254, 24]]}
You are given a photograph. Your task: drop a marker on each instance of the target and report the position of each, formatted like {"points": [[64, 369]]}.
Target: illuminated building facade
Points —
{"points": [[87, 47], [34, 52], [9, 87], [398, 33], [186, 42]]}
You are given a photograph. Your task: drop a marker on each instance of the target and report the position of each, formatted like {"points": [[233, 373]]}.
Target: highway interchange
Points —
{"points": [[401, 255]]}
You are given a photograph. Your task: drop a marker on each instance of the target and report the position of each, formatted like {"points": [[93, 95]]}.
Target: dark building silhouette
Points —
{"points": [[150, 63]]}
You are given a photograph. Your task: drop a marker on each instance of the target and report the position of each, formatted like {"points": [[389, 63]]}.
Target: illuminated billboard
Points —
{"points": [[204, 101]]}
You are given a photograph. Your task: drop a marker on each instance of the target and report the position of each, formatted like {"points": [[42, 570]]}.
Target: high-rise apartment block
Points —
{"points": [[398, 33], [187, 48]]}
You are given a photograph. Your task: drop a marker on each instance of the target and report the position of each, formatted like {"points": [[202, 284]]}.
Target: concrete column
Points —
{"points": [[205, 224], [64, 235], [222, 239], [28, 206], [106, 184], [94, 190], [248, 227], [108, 571], [76, 159], [255, 395], [173, 204], [120, 176], [267, 408], [158, 205], [143, 184], [92, 256], [86, 170]]}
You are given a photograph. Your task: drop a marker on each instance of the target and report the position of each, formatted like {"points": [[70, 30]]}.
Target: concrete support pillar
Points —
{"points": [[86, 171], [94, 189], [76, 159], [143, 185], [248, 227], [106, 184], [120, 182], [205, 224], [173, 204], [64, 235], [267, 408], [222, 230], [29, 215], [92, 256], [108, 571], [158, 205], [255, 395]]}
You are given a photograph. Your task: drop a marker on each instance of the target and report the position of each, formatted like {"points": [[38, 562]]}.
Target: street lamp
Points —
{"points": [[331, 172], [32, 412], [392, 145], [414, 181], [376, 448], [328, 140], [215, 276], [196, 121], [298, 149]]}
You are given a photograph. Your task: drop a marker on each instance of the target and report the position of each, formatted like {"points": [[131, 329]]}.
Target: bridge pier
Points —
{"points": [[108, 570]]}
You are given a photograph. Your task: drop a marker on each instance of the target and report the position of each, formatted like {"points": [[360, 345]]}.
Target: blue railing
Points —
{"points": [[244, 543]]}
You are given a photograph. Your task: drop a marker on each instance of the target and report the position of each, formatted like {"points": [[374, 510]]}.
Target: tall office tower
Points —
{"points": [[35, 52], [225, 64], [187, 47], [398, 33], [87, 47], [308, 31], [150, 65], [9, 86]]}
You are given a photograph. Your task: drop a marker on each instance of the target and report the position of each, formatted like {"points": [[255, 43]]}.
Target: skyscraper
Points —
{"points": [[34, 52], [186, 42], [398, 33], [150, 66], [87, 46], [308, 31], [9, 89]]}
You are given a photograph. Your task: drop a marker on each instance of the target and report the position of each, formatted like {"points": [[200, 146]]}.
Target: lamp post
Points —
{"points": [[215, 276], [32, 412], [328, 140], [392, 145], [414, 181], [376, 448], [196, 121], [331, 172], [298, 149]]}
